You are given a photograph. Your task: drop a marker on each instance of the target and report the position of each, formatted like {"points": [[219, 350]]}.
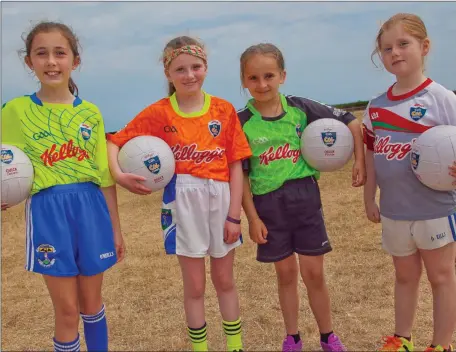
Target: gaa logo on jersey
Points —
{"points": [[166, 218], [417, 111], [214, 127], [7, 156], [86, 131], [298, 130], [152, 163], [329, 138], [46, 255], [415, 159]]}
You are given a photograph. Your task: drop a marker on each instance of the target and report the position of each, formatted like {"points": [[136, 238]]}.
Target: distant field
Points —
{"points": [[143, 295]]}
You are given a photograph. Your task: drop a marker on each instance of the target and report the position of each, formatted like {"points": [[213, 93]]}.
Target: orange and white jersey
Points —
{"points": [[204, 143]]}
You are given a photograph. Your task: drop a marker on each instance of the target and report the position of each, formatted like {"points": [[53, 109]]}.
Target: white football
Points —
{"points": [[150, 157], [431, 155], [327, 144], [17, 175]]}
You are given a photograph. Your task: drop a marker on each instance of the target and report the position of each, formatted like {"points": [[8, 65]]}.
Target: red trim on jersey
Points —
{"points": [[368, 138], [392, 97], [393, 119]]}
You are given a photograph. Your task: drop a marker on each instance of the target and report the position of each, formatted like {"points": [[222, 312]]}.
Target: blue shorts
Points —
{"points": [[69, 231]]}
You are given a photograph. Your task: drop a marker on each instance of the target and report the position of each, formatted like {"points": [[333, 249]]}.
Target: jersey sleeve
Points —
{"points": [[316, 110], [11, 127], [368, 131], [146, 123], [237, 146], [449, 107], [101, 156]]}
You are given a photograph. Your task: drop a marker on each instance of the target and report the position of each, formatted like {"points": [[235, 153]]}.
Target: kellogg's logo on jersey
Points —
{"points": [[67, 151], [86, 131], [392, 151], [417, 111], [190, 153], [214, 127], [282, 152], [329, 138]]}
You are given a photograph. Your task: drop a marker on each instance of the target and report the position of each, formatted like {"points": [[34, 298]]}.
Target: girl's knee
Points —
{"points": [[441, 276], [287, 275], [67, 314], [223, 283]]}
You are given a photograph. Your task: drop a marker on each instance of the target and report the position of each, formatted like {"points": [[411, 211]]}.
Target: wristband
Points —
{"points": [[234, 221]]}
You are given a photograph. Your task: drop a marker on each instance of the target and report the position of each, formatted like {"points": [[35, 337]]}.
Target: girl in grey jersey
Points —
{"points": [[418, 223]]}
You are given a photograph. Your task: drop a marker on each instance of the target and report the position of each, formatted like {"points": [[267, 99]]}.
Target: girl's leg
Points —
{"points": [[440, 271], [312, 274], [408, 273], [222, 276], [93, 312], [64, 296], [194, 281], [287, 283]]}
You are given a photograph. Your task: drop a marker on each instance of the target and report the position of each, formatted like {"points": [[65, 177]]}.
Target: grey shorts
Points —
{"points": [[293, 217]]}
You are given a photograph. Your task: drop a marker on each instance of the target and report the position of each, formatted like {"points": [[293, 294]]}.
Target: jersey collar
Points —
{"points": [[409, 94], [38, 101], [256, 113]]}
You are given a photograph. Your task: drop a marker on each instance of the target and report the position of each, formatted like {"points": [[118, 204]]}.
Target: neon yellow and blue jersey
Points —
{"points": [[66, 143]]}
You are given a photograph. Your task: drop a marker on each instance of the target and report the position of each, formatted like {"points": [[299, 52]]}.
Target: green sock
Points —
{"points": [[198, 337], [233, 333]]}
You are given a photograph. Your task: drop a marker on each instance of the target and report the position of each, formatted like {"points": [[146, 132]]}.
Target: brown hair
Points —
{"points": [[178, 43], [46, 27], [411, 23], [262, 49]]}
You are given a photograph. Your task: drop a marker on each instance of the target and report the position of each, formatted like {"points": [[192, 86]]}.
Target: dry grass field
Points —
{"points": [[143, 294]]}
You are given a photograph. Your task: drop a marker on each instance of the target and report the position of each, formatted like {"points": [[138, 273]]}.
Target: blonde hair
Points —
{"points": [[411, 23]]}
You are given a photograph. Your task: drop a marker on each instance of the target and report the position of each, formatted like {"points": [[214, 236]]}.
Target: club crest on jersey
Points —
{"points": [[214, 127], [415, 159], [329, 138], [86, 131], [298, 130], [7, 156], [417, 111], [152, 163], [46, 255]]}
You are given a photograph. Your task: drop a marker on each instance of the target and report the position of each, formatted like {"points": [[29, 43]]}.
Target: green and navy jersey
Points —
{"points": [[391, 125], [276, 142], [66, 143]]}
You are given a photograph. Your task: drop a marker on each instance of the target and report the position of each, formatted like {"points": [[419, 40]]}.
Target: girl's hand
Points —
{"points": [[258, 231], [359, 174], [133, 183], [372, 212], [120, 246], [231, 232]]}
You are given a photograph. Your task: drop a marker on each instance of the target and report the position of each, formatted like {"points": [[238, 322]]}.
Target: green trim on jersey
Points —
{"points": [[204, 110], [66, 143], [275, 145]]}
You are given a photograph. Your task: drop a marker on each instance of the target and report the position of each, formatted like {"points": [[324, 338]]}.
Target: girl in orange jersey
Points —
{"points": [[202, 203]]}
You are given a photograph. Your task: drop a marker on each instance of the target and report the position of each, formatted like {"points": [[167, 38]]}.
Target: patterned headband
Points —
{"points": [[194, 50]]}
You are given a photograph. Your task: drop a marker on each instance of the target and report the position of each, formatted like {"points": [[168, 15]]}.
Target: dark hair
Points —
{"points": [[47, 27], [178, 43], [262, 49]]}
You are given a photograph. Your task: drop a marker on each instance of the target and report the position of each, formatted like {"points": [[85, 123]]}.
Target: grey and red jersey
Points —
{"points": [[391, 125]]}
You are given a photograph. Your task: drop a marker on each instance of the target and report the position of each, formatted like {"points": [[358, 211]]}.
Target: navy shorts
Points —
{"points": [[293, 217], [69, 231]]}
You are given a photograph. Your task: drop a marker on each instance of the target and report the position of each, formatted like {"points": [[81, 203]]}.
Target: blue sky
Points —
{"points": [[327, 47]]}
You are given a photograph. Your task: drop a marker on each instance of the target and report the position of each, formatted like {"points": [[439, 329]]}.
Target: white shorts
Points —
{"points": [[194, 211], [402, 238]]}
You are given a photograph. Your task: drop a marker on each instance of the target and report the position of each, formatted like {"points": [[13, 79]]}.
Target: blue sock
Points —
{"points": [[72, 346], [96, 331]]}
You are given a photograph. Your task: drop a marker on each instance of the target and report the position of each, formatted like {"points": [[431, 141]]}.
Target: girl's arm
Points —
{"points": [[359, 168], [110, 194], [236, 180], [370, 189]]}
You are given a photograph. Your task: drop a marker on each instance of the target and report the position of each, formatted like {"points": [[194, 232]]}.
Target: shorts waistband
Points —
{"points": [[69, 188], [187, 180]]}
